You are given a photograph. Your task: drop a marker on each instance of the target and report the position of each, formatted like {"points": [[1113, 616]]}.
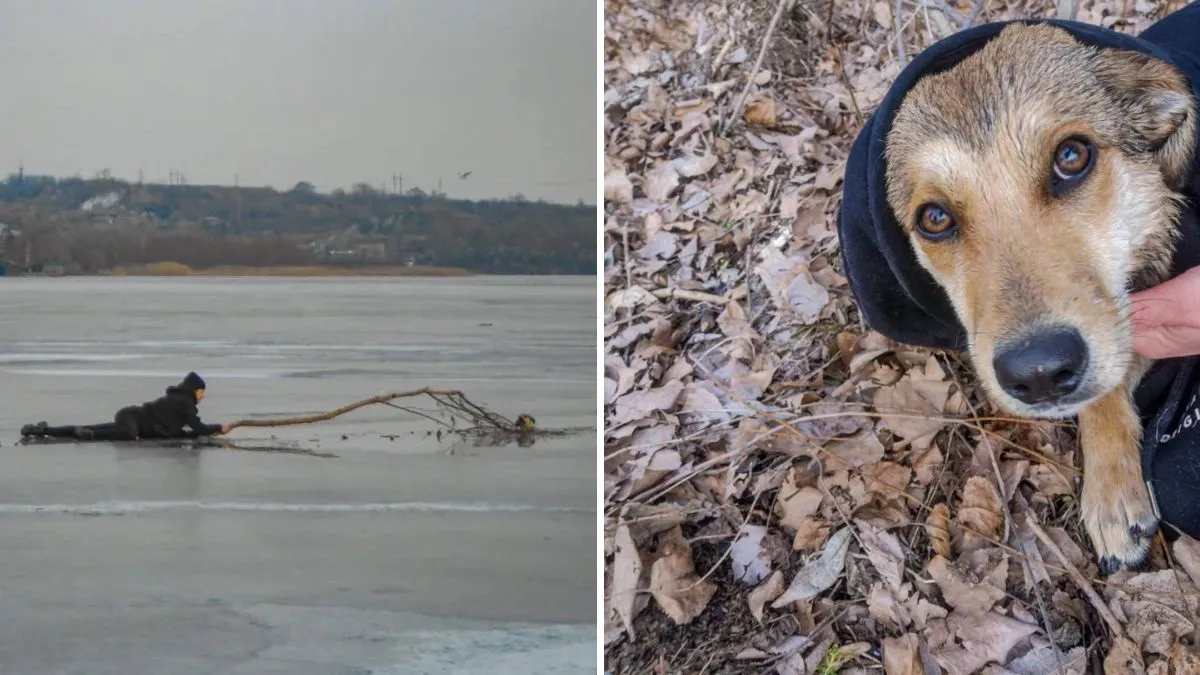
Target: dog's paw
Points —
{"points": [[1120, 520]]}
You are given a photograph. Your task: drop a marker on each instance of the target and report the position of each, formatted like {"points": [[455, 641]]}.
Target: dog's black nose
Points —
{"points": [[1043, 367]]}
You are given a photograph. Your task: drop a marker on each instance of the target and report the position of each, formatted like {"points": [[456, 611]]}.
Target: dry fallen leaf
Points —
{"points": [[818, 574], [913, 407], [660, 181], [1183, 659], [618, 189], [637, 63], [796, 504], [749, 386], [691, 166], [1027, 544], [887, 479], [733, 323], [638, 405], [751, 562], [768, 591], [882, 13], [901, 656], [761, 113], [1161, 607], [937, 526], [1043, 661], [806, 298], [793, 662], [979, 511], [983, 639], [927, 464], [858, 450], [647, 520], [884, 551], [791, 285], [627, 577], [1049, 481], [700, 403], [810, 533], [1124, 658], [674, 583], [972, 598], [1186, 552], [885, 607], [661, 246]]}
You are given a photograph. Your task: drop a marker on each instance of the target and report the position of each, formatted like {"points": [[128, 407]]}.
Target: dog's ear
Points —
{"points": [[1160, 106]]}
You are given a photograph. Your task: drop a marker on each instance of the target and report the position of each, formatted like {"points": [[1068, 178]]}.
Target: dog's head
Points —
{"points": [[1037, 181]]}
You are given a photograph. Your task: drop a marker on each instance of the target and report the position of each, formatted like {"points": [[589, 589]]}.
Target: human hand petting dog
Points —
{"points": [[1166, 318]]}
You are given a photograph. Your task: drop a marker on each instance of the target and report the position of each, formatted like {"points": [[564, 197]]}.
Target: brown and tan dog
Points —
{"points": [[1038, 181]]}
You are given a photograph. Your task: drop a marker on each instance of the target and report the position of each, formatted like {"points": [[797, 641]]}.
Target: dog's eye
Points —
{"points": [[1073, 159], [934, 222]]}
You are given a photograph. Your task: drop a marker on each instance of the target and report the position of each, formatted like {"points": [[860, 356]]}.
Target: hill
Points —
{"points": [[88, 226]]}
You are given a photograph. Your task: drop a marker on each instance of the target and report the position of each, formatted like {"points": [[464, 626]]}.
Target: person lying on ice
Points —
{"points": [[171, 416]]}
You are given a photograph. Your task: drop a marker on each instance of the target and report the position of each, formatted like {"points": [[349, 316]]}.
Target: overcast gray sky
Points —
{"points": [[329, 91]]}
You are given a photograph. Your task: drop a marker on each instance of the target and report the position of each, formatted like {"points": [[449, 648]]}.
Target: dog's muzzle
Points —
{"points": [[1043, 367]]}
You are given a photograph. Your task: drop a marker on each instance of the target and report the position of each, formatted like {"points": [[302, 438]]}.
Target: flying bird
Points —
{"points": [[463, 175]]}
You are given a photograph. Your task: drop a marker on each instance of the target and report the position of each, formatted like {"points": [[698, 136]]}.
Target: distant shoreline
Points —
{"points": [[177, 270]]}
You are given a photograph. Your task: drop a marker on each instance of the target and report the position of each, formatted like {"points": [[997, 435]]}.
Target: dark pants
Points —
{"points": [[124, 427]]}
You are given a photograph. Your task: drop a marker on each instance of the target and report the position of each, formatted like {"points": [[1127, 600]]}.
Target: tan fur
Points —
{"points": [[979, 139]]}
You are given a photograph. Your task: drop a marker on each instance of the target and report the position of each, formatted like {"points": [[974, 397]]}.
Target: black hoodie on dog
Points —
{"points": [[901, 300]]}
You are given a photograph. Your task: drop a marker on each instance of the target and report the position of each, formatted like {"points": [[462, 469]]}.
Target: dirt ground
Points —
{"points": [[785, 491]]}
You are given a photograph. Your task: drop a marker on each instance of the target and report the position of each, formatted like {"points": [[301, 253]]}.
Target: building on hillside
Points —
{"points": [[105, 201], [373, 252], [347, 248]]}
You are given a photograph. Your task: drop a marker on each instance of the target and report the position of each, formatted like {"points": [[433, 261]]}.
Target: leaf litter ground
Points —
{"points": [[785, 491]]}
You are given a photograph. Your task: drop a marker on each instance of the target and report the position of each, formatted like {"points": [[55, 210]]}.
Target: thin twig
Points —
{"points": [[418, 413], [728, 549], [1080, 580], [628, 262], [1026, 563], [454, 401], [858, 114], [974, 13], [1067, 9], [684, 294], [762, 52], [1041, 604], [945, 8]]}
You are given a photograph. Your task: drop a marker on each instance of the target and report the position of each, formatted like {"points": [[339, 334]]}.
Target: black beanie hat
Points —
{"points": [[192, 382]]}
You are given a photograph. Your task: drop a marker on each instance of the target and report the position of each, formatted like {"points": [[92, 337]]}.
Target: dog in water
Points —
{"points": [[1033, 175]]}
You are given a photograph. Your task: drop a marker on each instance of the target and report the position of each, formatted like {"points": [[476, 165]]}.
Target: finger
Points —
{"points": [[1166, 341], [1154, 307], [1150, 344], [1173, 301]]}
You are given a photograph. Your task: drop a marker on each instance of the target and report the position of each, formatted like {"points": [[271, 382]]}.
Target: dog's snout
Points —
{"points": [[1046, 366]]}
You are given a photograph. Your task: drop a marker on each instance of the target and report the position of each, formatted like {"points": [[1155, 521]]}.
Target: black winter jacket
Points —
{"points": [[173, 415]]}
